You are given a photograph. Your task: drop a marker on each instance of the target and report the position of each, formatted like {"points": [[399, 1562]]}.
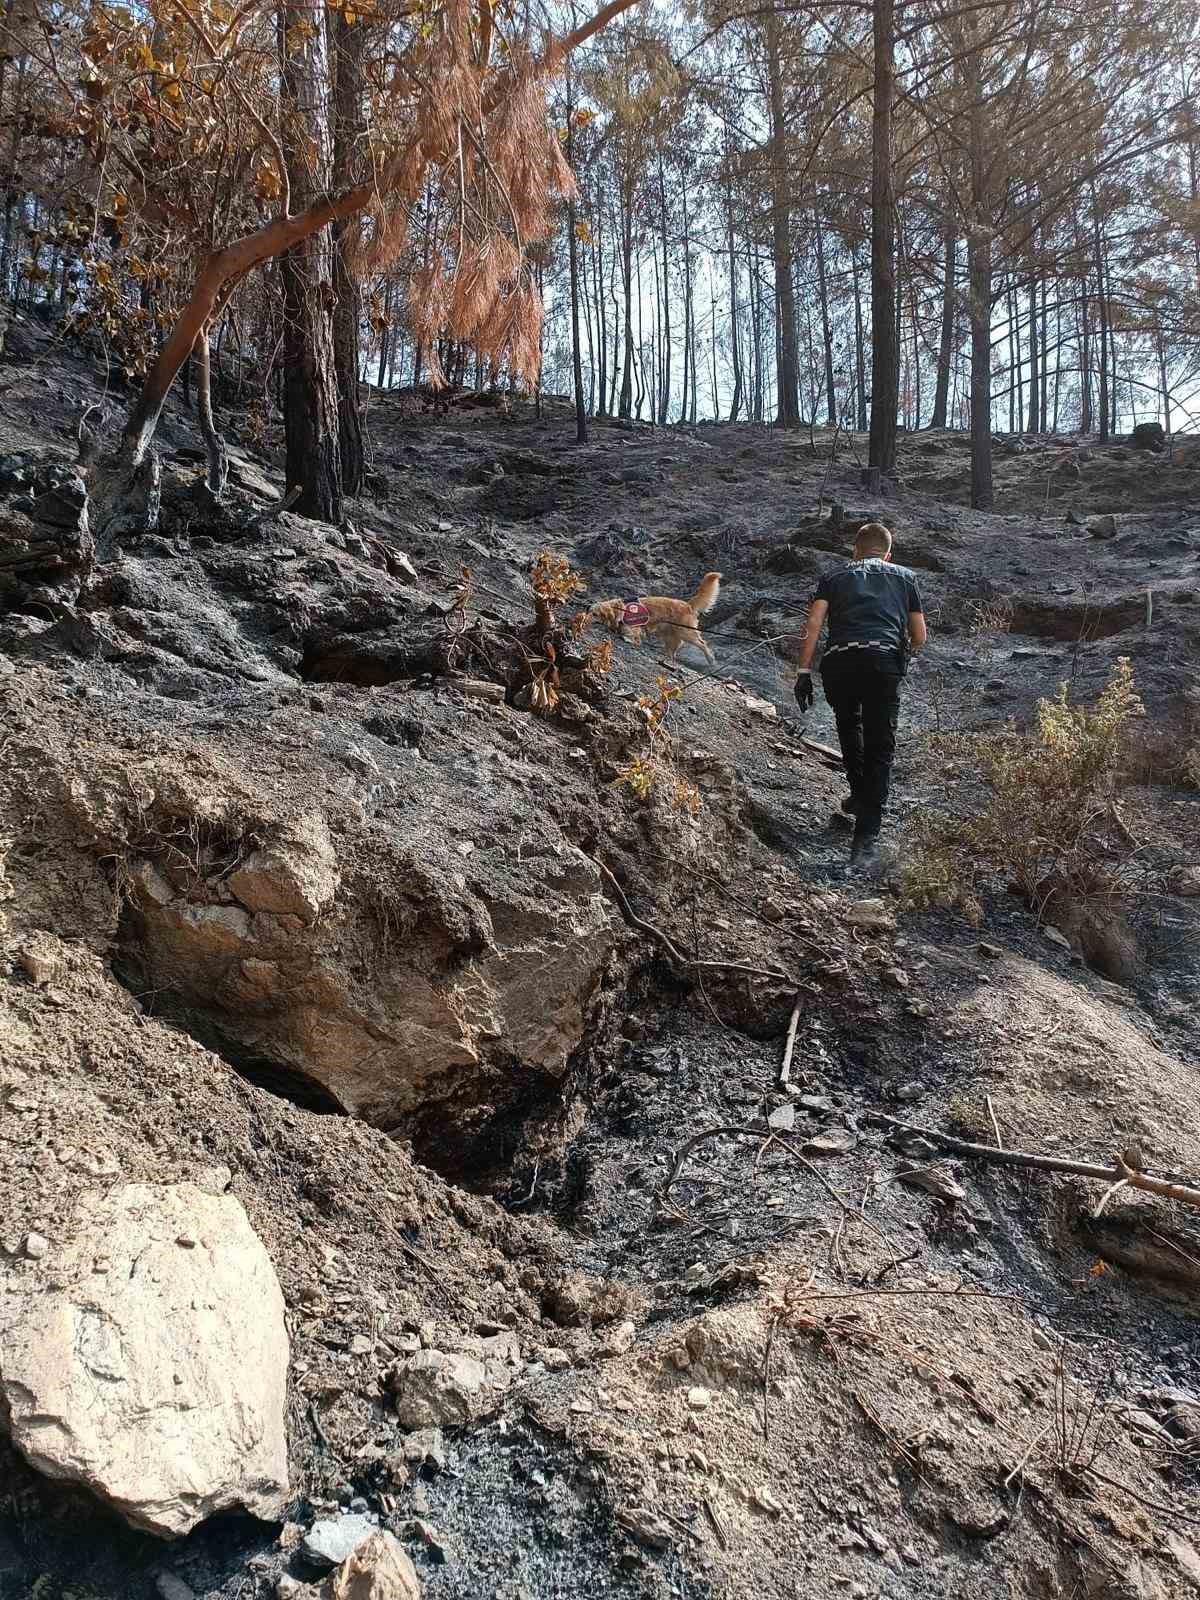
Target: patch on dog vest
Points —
{"points": [[635, 614]]}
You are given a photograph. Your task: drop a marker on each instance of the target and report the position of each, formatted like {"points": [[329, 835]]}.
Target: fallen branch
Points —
{"points": [[648, 928], [1112, 1189], [826, 751], [33, 555], [1120, 1172], [698, 1138], [995, 1124], [715, 1521], [634, 921], [785, 1071], [1024, 1461]]}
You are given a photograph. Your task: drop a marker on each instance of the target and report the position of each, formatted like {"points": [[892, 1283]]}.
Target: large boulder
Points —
{"points": [[146, 1356], [390, 993]]}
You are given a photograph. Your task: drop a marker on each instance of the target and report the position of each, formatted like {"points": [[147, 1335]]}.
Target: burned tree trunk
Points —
{"points": [[885, 364], [348, 135], [310, 395], [218, 460]]}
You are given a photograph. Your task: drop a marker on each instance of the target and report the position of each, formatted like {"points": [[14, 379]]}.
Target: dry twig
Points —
{"points": [[785, 1072], [1120, 1172]]}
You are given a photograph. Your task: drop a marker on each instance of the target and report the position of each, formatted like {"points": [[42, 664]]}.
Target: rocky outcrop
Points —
{"points": [[45, 541], [391, 988], [145, 1357]]}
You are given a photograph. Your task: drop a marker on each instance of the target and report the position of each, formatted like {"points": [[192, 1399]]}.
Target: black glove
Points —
{"points": [[804, 690]]}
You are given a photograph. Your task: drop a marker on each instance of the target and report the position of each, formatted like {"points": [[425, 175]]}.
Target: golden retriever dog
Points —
{"points": [[673, 622]]}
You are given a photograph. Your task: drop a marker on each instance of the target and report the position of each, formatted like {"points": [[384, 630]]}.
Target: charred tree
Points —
{"points": [[885, 364]]}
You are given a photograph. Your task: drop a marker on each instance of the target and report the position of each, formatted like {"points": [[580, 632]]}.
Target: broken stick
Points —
{"points": [[1120, 1172], [682, 961], [785, 1072]]}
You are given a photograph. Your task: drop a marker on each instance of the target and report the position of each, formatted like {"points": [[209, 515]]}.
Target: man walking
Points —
{"points": [[875, 618]]}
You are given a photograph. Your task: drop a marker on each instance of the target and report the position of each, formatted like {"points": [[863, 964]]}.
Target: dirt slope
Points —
{"points": [[266, 863]]}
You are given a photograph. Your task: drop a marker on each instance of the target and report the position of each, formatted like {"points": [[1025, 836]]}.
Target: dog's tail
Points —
{"points": [[705, 597]]}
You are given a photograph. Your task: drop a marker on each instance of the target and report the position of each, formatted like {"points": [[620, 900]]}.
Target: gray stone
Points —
{"points": [[172, 1588], [618, 1340], [425, 1447], [436, 1388], [873, 916], [837, 1142], [818, 1104], [333, 1540]]}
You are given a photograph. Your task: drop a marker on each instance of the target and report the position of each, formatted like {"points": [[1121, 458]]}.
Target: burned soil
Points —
{"points": [[308, 900]]}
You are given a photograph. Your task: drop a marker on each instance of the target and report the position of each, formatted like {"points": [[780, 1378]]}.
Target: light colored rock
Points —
{"points": [[248, 475], [277, 973], [289, 1588], [699, 1398], [297, 876], [554, 1359], [934, 1179], [762, 708], [434, 1389], [726, 1346], [1186, 1555], [646, 1526], [425, 1447], [871, 915], [422, 981], [380, 1569], [837, 1142], [332, 1540], [36, 1246], [1185, 1411], [618, 1339], [1055, 936], [150, 1384], [40, 959]]}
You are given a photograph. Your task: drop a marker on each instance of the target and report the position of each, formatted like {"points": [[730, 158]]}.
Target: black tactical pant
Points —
{"points": [[863, 690]]}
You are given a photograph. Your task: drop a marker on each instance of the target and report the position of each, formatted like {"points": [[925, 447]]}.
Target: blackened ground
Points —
{"points": [[747, 1198], [515, 1514]]}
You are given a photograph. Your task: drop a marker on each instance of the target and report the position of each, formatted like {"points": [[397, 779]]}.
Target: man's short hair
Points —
{"points": [[873, 539]]}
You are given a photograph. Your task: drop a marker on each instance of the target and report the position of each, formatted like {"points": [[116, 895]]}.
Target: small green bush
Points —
{"points": [[1046, 822]]}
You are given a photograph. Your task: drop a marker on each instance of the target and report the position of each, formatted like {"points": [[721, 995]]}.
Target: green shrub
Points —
{"points": [[1046, 819]]}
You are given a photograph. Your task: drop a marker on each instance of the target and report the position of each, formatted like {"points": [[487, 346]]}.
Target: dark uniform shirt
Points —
{"points": [[869, 603]]}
